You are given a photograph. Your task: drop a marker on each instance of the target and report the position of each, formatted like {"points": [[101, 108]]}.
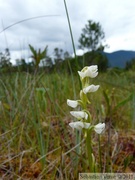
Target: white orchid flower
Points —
{"points": [[79, 125], [79, 114], [91, 88], [99, 128], [91, 71], [72, 103]]}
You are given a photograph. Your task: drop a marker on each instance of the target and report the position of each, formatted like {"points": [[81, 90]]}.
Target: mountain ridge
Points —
{"points": [[119, 58]]}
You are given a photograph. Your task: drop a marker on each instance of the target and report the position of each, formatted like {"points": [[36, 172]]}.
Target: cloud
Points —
{"points": [[116, 18]]}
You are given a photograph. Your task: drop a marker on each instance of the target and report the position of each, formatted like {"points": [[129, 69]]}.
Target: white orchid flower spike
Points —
{"points": [[91, 71], [99, 128]]}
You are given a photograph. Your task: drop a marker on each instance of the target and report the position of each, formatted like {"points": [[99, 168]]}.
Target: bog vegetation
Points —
{"points": [[36, 141]]}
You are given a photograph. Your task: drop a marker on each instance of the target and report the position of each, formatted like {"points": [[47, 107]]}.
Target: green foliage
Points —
{"points": [[96, 57], [130, 65], [37, 56], [23, 66], [5, 63], [34, 121], [58, 53], [92, 36]]}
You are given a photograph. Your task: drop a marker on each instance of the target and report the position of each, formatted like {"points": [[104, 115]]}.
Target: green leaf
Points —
{"points": [[33, 50], [107, 101], [123, 102]]}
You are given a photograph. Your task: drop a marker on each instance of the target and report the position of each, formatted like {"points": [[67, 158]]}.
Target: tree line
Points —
{"points": [[91, 41]]}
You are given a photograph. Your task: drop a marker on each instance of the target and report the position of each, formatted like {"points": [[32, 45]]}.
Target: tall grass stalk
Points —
{"points": [[71, 34], [100, 158], [73, 45], [24, 20], [73, 83]]}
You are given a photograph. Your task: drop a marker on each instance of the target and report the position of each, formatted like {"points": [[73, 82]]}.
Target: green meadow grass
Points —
{"points": [[36, 141], [35, 138]]}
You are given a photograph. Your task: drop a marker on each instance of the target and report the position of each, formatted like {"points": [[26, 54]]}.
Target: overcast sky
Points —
{"points": [[117, 18]]}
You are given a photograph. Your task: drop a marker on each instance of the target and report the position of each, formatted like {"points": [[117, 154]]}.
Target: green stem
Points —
{"points": [[70, 29], [73, 44], [89, 150], [100, 159], [72, 79]]}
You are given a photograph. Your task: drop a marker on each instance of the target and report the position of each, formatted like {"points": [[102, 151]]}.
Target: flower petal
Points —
{"points": [[91, 88], [72, 103], [79, 125], [82, 74], [99, 128], [79, 114], [91, 71], [86, 125]]}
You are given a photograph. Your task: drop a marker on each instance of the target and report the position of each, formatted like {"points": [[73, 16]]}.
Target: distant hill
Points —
{"points": [[119, 58]]}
